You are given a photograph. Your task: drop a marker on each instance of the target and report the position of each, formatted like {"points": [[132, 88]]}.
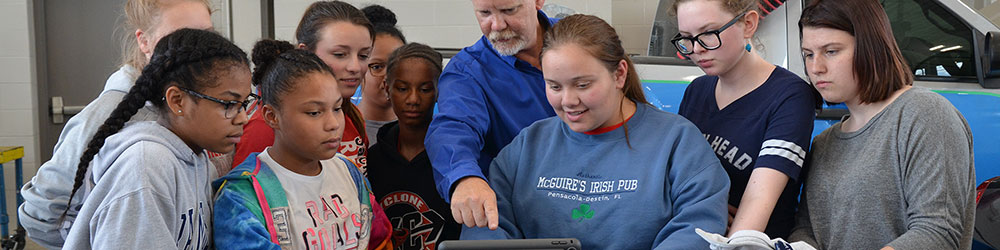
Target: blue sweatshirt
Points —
{"points": [[552, 182], [485, 100]]}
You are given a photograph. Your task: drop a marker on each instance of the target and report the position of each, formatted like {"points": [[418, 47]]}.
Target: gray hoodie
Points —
{"points": [[149, 191], [45, 196]]}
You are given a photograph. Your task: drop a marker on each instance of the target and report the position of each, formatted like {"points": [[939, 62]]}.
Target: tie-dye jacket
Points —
{"points": [[239, 222]]}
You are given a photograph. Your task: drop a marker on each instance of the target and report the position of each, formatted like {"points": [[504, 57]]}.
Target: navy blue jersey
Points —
{"points": [[768, 127]]}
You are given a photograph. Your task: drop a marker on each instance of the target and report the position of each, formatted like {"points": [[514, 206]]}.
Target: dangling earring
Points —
{"points": [[748, 47]]}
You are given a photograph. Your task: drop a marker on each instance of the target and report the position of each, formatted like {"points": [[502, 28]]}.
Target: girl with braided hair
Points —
{"points": [[46, 196], [399, 164], [148, 187], [342, 37], [299, 193]]}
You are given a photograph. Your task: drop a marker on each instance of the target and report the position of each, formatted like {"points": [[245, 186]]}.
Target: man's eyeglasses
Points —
{"points": [[232, 107], [376, 69], [709, 39]]}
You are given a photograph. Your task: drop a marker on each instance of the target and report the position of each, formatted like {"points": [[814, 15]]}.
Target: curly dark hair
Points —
{"points": [[278, 65], [384, 21]]}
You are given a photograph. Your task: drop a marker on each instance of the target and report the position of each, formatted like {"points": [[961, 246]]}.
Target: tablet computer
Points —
{"points": [[515, 244]]}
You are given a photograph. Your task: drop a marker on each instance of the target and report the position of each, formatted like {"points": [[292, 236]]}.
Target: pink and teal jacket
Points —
{"points": [[246, 196]]}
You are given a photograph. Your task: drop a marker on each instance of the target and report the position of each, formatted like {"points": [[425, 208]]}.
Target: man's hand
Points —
{"points": [[474, 203]]}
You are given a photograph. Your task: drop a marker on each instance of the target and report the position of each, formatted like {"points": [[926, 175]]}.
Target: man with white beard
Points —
{"points": [[488, 92]]}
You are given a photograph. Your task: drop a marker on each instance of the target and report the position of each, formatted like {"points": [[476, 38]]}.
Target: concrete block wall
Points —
{"points": [[633, 19], [18, 92], [452, 23], [18, 110]]}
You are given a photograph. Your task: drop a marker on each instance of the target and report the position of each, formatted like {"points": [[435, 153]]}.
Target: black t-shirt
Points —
{"points": [[405, 189]]}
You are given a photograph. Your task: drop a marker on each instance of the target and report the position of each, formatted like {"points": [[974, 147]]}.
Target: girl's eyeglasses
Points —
{"points": [[709, 39], [376, 69], [232, 107]]}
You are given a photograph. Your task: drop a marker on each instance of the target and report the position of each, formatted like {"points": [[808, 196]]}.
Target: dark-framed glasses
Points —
{"points": [[709, 40], [232, 107], [376, 69]]}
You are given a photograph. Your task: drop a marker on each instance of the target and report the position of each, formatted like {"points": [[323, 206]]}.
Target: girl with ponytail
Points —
{"points": [[374, 103], [581, 174], [299, 193], [46, 196], [340, 35], [147, 182]]}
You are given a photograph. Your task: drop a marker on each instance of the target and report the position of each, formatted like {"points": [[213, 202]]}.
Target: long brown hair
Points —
{"points": [[321, 13], [600, 40], [878, 63], [317, 16], [144, 15]]}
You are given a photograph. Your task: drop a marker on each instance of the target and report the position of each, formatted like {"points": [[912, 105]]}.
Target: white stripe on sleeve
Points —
{"points": [[790, 146], [783, 153]]}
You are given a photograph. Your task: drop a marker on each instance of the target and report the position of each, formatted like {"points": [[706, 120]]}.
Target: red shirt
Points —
{"points": [[598, 131], [257, 135], [354, 146]]}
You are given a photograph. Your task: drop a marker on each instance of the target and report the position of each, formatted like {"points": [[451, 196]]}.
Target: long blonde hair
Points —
{"points": [[144, 15]]}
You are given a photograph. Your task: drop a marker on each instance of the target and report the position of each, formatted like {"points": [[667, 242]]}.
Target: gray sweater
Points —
{"points": [[904, 180], [46, 195], [149, 191]]}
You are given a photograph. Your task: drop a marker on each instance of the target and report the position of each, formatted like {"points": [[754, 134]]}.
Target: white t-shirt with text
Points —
{"points": [[323, 211]]}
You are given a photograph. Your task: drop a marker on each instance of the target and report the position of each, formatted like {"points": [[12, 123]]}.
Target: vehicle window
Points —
{"points": [[933, 40]]}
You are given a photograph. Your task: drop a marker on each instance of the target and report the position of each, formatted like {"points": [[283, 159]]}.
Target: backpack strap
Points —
{"points": [[364, 190], [264, 207]]}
